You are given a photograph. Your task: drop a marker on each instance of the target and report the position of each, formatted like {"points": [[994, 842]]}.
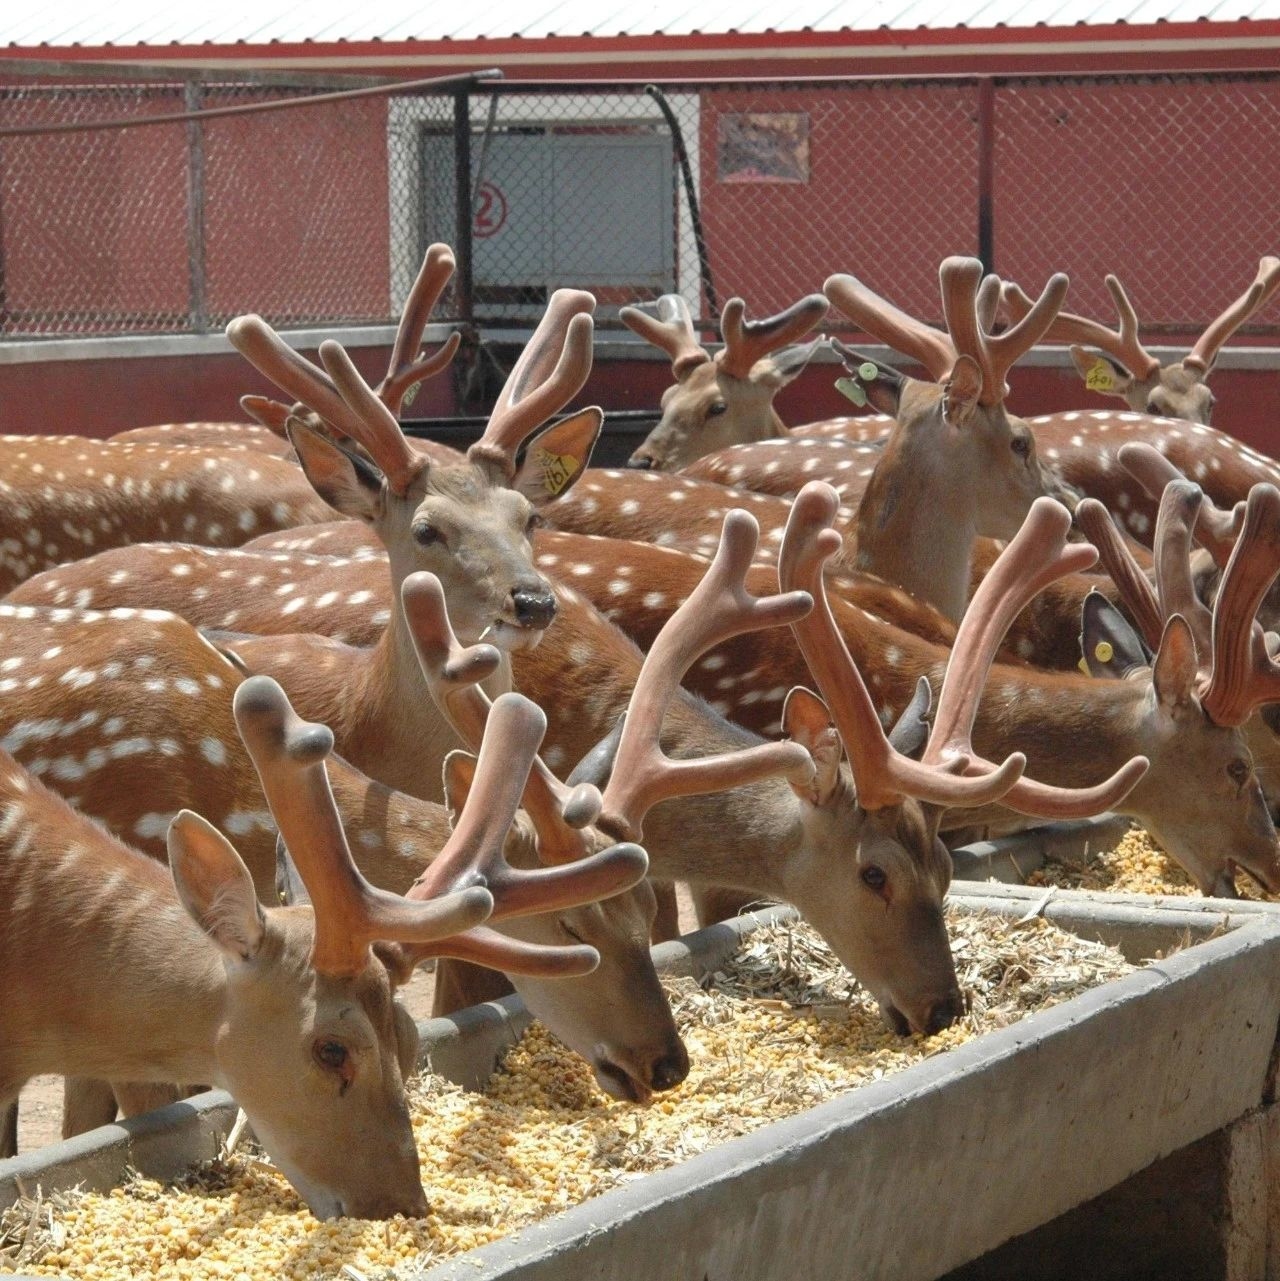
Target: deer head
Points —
{"points": [[726, 399], [1122, 366], [1209, 673], [468, 523], [902, 869], [956, 456]]}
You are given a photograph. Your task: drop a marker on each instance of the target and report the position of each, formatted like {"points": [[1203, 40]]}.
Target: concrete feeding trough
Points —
{"points": [[909, 1177]]}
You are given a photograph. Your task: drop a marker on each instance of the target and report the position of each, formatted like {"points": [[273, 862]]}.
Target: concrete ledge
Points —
{"points": [[1014, 858]]}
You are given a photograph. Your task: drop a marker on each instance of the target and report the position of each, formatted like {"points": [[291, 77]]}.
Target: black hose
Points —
{"points": [[695, 216]]}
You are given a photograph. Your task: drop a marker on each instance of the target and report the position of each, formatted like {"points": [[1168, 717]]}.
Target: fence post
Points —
{"points": [[986, 172], [197, 297], [464, 212]]}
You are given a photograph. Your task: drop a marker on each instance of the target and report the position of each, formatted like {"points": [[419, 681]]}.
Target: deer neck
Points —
{"points": [[135, 990], [1074, 730], [912, 533], [742, 838], [393, 730]]}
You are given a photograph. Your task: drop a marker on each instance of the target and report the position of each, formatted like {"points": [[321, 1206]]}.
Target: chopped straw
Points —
{"points": [[779, 1029], [1137, 865]]}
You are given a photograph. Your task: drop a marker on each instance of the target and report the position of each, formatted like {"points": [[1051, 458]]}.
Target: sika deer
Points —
{"points": [[129, 714], [1127, 370], [64, 497], [727, 398], [113, 969]]}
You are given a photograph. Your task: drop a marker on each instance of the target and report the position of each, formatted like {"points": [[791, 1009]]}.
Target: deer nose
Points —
{"points": [[640, 464], [944, 1013], [670, 1070], [533, 608]]}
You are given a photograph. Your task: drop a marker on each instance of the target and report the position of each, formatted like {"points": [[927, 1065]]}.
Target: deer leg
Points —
{"points": [[9, 1131], [460, 984], [720, 903], [136, 1097], [86, 1104], [666, 925]]}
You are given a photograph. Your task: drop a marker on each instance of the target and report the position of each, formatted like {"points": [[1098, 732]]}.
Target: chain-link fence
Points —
{"points": [[318, 214]]}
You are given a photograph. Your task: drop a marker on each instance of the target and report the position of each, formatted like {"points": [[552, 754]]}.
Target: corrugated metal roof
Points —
{"points": [[230, 22]]}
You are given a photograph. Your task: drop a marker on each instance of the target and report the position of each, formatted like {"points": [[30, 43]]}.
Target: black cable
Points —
{"points": [[682, 158]]}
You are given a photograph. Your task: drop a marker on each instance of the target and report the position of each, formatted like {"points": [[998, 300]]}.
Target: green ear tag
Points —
{"points": [[847, 387], [868, 372]]}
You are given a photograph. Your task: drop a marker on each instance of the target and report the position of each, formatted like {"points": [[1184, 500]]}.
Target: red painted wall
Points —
{"points": [[94, 226], [100, 397]]}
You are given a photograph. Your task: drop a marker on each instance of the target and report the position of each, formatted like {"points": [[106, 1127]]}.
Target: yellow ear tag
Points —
{"points": [[557, 470], [1084, 667], [1103, 652], [1101, 377]]}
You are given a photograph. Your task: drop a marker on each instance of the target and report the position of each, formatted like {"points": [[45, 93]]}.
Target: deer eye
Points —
{"points": [[1238, 771], [1154, 409], [716, 409], [534, 522], [426, 534], [331, 1054], [1021, 445], [874, 878]]}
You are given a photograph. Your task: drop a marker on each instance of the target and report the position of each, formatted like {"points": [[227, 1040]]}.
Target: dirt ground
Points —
{"points": [[40, 1107]]}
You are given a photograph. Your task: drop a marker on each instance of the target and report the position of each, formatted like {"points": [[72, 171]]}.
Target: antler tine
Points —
{"points": [[988, 304], [922, 343], [746, 341], [1215, 530], [1122, 345], [995, 355], [270, 355], [1205, 352], [1004, 350], [1036, 556], [671, 331], [1179, 508], [379, 431], [453, 673], [882, 776], [289, 755], [474, 851], [1244, 676], [551, 370], [403, 371], [1098, 527], [720, 607]]}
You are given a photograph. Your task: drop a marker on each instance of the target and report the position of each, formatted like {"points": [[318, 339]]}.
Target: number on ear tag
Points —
{"points": [[557, 470], [1101, 377]]}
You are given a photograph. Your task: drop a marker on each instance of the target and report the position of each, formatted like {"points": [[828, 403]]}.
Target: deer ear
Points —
{"points": [[459, 774], [1101, 373], [215, 886], [1176, 667], [911, 731], [557, 456], [806, 720], [347, 482], [786, 365], [961, 391], [270, 413], [1109, 645]]}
